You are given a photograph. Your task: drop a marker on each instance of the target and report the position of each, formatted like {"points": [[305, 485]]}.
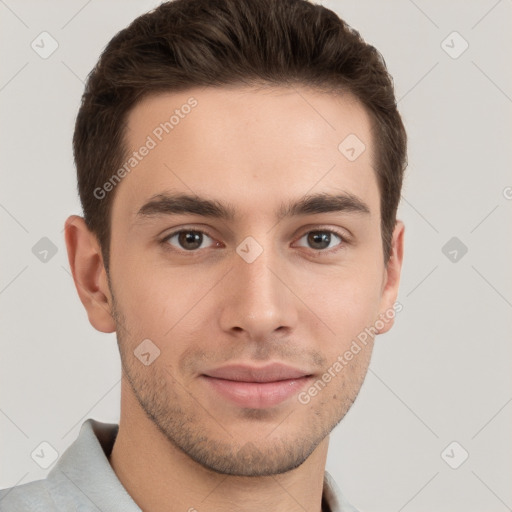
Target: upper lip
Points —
{"points": [[245, 373]]}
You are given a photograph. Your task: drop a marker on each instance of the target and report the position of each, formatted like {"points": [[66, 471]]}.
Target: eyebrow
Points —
{"points": [[173, 204]]}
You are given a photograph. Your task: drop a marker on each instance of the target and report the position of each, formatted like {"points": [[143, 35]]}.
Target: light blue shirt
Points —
{"points": [[83, 480]]}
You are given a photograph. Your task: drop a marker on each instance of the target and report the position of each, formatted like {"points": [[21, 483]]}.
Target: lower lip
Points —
{"points": [[256, 395]]}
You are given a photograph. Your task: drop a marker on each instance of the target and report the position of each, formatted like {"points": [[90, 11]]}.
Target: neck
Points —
{"points": [[161, 478]]}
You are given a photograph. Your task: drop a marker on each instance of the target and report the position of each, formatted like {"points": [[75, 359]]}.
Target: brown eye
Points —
{"points": [[188, 240], [322, 239]]}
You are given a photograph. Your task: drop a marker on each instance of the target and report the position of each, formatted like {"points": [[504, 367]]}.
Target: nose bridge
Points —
{"points": [[258, 273], [257, 301]]}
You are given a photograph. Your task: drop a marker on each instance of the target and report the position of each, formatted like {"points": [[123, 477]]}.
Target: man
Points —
{"points": [[239, 165]]}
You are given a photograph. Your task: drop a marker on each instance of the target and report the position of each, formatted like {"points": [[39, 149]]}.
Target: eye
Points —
{"points": [[322, 239], [188, 239]]}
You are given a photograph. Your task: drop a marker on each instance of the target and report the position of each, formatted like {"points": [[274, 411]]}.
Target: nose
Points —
{"points": [[258, 299]]}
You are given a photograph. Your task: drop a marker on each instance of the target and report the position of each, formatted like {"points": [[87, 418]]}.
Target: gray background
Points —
{"points": [[443, 372]]}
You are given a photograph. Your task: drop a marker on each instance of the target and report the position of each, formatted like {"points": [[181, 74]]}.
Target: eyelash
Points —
{"points": [[317, 252]]}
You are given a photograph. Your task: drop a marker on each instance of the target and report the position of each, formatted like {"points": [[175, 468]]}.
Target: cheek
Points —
{"points": [[350, 293], [348, 303], [161, 304], [142, 297]]}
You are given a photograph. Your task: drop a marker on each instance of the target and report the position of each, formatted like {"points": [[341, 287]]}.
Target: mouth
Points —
{"points": [[256, 387]]}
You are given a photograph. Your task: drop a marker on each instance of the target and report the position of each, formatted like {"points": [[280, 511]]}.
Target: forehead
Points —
{"points": [[249, 145]]}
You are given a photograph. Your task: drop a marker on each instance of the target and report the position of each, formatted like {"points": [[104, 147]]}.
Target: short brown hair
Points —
{"points": [[189, 43]]}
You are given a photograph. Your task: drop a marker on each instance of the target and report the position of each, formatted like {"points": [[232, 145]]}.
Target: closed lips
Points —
{"points": [[270, 373]]}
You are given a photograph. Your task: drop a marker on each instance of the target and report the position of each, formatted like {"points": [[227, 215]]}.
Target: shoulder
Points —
{"points": [[29, 497]]}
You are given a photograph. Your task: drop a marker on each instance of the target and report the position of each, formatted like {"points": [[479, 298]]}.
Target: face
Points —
{"points": [[252, 288]]}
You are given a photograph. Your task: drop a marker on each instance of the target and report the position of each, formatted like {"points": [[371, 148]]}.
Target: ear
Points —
{"points": [[89, 275], [391, 279]]}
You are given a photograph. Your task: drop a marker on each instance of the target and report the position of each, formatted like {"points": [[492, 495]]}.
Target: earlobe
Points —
{"points": [[89, 275], [392, 278]]}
